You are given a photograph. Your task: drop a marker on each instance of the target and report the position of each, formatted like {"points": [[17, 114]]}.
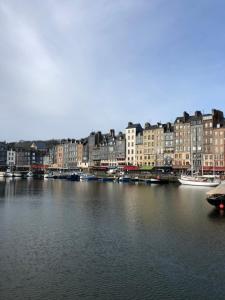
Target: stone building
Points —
{"points": [[69, 154], [196, 150], [159, 144], [93, 140], [59, 156], [3, 155], [28, 154], [210, 122], [218, 148], [139, 149], [182, 136], [110, 150], [11, 158], [168, 144]]}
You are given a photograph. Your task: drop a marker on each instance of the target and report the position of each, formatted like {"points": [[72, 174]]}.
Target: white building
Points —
{"points": [[131, 133], [11, 158]]}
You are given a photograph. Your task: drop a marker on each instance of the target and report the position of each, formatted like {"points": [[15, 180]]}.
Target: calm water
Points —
{"points": [[90, 240]]}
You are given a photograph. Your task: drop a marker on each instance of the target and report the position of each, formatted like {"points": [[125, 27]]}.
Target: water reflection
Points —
{"points": [[217, 215], [72, 240]]}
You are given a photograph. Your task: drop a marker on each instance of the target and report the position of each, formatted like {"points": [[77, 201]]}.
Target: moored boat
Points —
{"points": [[8, 173], [154, 180], [49, 175], [207, 181], [87, 177], [29, 174], [106, 179], [216, 197], [17, 174], [124, 178], [74, 177]]}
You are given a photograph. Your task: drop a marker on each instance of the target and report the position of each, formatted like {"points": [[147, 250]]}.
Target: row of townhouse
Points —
{"points": [[196, 140], [192, 140], [23, 154], [68, 154], [96, 150]]}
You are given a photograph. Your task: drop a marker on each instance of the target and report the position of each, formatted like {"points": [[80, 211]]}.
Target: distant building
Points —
{"points": [[3, 155], [85, 153], [139, 149], [110, 150], [196, 150], [182, 136], [28, 155], [210, 122], [131, 133], [11, 158], [69, 154], [218, 149], [94, 139], [168, 144], [59, 156]]}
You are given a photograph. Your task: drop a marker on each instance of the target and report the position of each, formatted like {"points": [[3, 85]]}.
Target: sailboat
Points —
{"points": [[197, 180], [208, 181]]}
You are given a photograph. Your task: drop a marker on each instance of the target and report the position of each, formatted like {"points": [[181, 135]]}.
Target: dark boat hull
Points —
{"points": [[218, 201], [105, 179], [74, 177]]}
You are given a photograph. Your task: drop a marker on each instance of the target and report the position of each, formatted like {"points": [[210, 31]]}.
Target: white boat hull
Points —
{"points": [[17, 175], [8, 174], [199, 183]]}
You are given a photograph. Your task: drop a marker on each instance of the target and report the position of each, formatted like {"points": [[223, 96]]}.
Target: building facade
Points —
{"points": [[182, 136], [11, 158], [168, 145], [3, 154], [131, 133]]}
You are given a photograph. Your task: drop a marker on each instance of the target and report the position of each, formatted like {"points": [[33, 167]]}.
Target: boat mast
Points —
{"points": [[191, 160]]}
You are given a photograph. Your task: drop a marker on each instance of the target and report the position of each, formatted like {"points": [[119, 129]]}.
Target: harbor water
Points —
{"points": [[90, 240]]}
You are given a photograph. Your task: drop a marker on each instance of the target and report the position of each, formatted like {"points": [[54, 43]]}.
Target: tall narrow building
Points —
{"points": [[131, 134]]}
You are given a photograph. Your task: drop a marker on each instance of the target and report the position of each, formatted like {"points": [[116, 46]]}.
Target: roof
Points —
{"points": [[23, 145], [40, 145], [131, 125], [157, 126]]}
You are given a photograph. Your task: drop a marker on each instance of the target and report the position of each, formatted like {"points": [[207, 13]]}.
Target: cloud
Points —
{"points": [[35, 72], [69, 67]]}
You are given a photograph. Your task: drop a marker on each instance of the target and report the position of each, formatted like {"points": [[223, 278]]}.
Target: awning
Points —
{"points": [[211, 168], [146, 168], [130, 168]]}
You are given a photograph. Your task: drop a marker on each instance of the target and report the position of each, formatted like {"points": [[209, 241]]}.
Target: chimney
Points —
{"points": [[186, 116], [112, 132], [147, 125], [198, 113]]}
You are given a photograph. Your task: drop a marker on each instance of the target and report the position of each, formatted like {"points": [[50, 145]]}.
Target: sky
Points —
{"points": [[75, 66]]}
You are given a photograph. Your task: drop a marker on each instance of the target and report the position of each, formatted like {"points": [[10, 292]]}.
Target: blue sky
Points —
{"points": [[70, 67]]}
